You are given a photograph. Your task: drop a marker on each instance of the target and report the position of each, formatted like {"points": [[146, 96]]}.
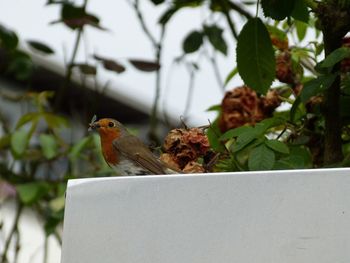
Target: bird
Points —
{"points": [[124, 152]]}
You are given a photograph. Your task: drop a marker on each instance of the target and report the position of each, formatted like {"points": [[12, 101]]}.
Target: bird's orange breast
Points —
{"points": [[107, 137]]}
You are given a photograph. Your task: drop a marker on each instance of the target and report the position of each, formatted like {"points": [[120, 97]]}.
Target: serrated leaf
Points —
{"points": [[30, 193], [261, 158], [192, 42], [335, 57], [41, 47], [144, 65], [19, 142], [214, 34], [300, 157], [255, 56], [300, 11], [8, 38], [48, 145], [277, 146], [277, 9], [316, 86]]}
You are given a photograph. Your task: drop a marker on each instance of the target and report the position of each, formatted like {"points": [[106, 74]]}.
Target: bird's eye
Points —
{"points": [[111, 124]]}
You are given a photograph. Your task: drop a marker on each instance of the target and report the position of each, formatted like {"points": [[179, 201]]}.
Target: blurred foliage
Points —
{"points": [[249, 134]]}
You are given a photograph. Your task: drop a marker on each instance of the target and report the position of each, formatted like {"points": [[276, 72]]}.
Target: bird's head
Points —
{"points": [[107, 128]]}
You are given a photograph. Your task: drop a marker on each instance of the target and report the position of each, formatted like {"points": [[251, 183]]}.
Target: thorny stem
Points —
{"points": [[11, 234]]}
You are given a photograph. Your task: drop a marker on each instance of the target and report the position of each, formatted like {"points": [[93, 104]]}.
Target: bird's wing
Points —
{"points": [[132, 148]]}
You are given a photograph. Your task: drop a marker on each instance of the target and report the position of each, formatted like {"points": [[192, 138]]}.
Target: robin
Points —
{"points": [[124, 151]]}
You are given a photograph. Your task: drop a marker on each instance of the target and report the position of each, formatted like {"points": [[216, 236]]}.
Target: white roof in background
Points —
{"points": [[30, 19]]}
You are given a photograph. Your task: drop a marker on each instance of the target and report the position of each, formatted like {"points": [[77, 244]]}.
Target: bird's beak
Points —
{"points": [[94, 126]]}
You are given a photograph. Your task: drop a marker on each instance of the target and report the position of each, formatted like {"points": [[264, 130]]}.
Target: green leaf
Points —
{"points": [[28, 117], [86, 69], [143, 65], [235, 132], [193, 42], [8, 38], [277, 9], [75, 17], [54, 121], [214, 34], [214, 133], [78, 147], [19, 142], [255, 56], [301, 28], [39, 46], [335, 57], [244, 139], [277, 146], [5, 141], [216, 107], [167, 15], [21, 65], [300, 157], [230, 76], [48, 145], [316, 86], [30, 193], [300, 11], [261, 158], [110, 64]]}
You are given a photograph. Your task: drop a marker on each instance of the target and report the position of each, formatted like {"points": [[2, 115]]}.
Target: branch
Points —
{"points": [[240, 10], [144, 27]]}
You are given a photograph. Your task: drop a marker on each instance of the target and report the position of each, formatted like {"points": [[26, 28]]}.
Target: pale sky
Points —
{"points": [[30, 19]]}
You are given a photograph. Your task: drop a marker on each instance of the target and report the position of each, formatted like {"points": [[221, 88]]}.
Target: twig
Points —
{"points": [[13, 230], [69, 72], [240, 10], [192, 71]]}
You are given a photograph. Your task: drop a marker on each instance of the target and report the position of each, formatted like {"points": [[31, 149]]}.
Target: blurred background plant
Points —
{"points": [[45, 146]]}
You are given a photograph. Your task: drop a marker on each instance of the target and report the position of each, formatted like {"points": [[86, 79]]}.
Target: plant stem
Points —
{"points": [[333, 144], [192, 72], [154, 113], [13, 230], [62, 92], [225, 9]]}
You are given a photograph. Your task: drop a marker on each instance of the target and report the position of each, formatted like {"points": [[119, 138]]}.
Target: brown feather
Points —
{"points": [[132, 148]]}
